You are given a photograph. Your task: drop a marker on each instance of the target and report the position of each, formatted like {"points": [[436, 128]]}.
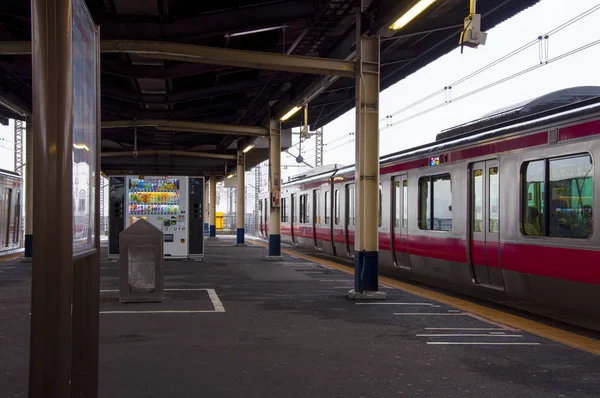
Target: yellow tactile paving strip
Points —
{"points": [[549, 332]]}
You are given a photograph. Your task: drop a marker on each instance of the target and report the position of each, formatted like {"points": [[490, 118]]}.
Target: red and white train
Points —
{"points": [[500, 208]]}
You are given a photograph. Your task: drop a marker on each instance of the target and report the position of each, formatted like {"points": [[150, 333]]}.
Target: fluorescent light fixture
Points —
{"points": [[411, 14], [230, 176], [249, 32], [290, 113], [248, 148], [81, 146]]}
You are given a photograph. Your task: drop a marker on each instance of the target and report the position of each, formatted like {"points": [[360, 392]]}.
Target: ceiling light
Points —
{"points": [[248, 148], [290, 113], [230, 176], [81, 146], [411, 14]]}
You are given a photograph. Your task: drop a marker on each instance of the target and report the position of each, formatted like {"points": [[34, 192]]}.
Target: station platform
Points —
{"points": [[236, 325]]}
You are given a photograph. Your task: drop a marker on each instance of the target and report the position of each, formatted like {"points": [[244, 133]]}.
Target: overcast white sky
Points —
{"points": [[575, 70]]}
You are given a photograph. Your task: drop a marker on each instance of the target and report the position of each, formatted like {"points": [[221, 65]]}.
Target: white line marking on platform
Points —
{"points": [[428, 304], [335, 280], [477, 343], [158, 312], [504, 327], [215, 300], [430, 313], [467, 335], [453, 310], [6, 267], [463, 329]]}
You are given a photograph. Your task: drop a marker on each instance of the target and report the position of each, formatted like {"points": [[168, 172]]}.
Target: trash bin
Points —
{"points": [[141, 263]]}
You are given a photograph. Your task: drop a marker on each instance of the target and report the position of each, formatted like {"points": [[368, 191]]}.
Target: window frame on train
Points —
{"points": [[336, 207], [539, 206], [327, 207], [427, 223], [284, 213]]}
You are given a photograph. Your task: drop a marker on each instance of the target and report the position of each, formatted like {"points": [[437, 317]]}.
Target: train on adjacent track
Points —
{"points": [[501, 208], [11, 212]]}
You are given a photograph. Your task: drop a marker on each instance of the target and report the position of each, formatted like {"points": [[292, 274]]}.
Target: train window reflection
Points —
{"points": [[396, 204], [566, 185], [327, 207], [405, 204], [477, 200], [380, 213], [436, 190], [336, 206], [317, 206], [494, 200], [571, 197]]}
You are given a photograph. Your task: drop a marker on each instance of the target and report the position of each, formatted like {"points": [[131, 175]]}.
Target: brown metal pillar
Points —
{"points": [[275, 191], [240, 211], [366, 261], [52, 275], [212, 233], [29, 188]]}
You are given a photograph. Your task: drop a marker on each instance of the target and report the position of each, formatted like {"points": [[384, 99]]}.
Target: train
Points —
{"points": [[11, 213], [500, 208]]}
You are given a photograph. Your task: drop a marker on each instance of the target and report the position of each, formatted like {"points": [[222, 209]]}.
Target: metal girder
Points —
{"points": [[167, 152], [211, 55], [191, 127], [13, 106], [127, 70]]}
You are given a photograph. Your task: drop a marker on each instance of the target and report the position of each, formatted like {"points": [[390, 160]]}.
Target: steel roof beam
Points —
{"points": [[167, 152], [211, 55], [190, 127]]}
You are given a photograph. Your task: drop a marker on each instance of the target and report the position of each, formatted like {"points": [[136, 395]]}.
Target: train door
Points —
{"points": [[293, 217], [400, 222], [6, 209], [260, 217], [485, 224], [349, 214], [316, 219]]}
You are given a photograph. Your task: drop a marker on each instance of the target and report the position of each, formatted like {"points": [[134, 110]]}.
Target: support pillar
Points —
{"points": [[52, 268], [274, 191], [240, 210], [29, 189], [205, 205], [212, 233], [366, 261]]}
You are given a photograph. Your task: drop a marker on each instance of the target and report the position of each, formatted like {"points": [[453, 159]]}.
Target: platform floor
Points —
{"points": [[238, 326]]}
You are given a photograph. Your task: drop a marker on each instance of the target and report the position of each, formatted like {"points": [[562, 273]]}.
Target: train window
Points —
{"points": [[304, 209], [317, 206], [327, 207], [350, 207], [405, 204], [435, 202], [294, 205], [396, 204], [494, 200], [380, 212], [533, 211], [566, 185], [477, 200], [336, 207], [284, 213]]}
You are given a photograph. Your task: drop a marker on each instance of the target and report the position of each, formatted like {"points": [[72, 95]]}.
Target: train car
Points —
{"points": [[11, 213], [500, 208]]}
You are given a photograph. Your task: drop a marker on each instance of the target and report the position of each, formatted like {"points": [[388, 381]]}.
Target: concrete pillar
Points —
{"points": [[366, 246], [274, 190], [52, 267], [29, 188], [213, 207], [240, 200]]}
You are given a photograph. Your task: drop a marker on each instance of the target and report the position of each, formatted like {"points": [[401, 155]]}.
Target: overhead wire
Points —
{"points": [[500, 81], [494, 63]]}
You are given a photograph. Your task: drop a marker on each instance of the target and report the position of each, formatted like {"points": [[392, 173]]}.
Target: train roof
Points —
{"points": [[532, 107], [10, 173], [555, 114]]}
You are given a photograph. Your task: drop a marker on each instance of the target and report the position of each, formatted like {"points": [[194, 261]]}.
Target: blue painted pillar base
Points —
{"points": [[366, 271], [28, 246], [274, 248], [212, 231], [205, 228], [240, 237]]}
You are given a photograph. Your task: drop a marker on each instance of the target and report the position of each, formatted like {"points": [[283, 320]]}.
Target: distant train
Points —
{"points": [[11, 213], [500, 208]]}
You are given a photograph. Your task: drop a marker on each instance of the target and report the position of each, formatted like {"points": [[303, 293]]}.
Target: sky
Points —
{"points": [[575, 70]]}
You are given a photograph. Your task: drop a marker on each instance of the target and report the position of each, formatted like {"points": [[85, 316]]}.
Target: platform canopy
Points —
{"points": [[185, 75]]}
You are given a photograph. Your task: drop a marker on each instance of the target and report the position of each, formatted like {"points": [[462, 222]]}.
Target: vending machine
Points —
{"points": [[162, 201]]}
